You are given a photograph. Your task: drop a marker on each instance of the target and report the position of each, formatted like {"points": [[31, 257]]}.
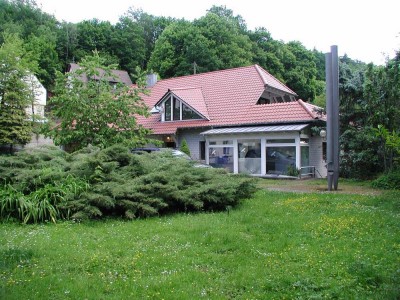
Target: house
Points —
{"points": [[241, 119], [36, 110], [118, 76]]}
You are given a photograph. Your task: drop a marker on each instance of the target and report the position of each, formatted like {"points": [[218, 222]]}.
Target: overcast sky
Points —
{"points": [[367, 30]]}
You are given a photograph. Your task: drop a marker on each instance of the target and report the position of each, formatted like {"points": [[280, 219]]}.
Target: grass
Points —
{"points": [[278, 245]]}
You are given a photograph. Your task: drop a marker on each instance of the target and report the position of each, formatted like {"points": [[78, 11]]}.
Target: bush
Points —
{"points": [[48, 185], [185, 147], [389, 181]]}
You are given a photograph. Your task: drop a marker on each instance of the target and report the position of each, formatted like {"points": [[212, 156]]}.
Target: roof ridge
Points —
{"points": [[307, 109], [260, 69], [209, 72], [185, 88]]}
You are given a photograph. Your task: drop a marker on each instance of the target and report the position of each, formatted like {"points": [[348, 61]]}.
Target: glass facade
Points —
{"points": [[249, 155], [305, 160], [221, 157], [167, 110], [176, 109], [280, 160], [261, 154]]}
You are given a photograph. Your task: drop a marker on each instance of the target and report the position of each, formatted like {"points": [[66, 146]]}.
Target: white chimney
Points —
{"points": [[151, 80]]}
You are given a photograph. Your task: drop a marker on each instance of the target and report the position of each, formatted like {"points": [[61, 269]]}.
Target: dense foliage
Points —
{"points": [[94, 112], [369, 107], [388, 181], [218, 40], [15, 93], [47, 184]]}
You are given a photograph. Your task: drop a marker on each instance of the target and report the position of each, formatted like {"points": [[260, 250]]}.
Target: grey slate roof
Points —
{"points": [[119, 76]]}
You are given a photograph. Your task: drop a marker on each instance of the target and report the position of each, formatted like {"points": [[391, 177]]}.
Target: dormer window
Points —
{"points": [[175, 110], [270, 96]]}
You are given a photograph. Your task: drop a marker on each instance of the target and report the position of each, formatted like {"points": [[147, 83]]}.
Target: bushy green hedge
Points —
{"points": [[389, 181], [47, 184]]}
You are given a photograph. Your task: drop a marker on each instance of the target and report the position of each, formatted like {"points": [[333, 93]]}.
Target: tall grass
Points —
{"points": [[44, 204], [274, 246]]}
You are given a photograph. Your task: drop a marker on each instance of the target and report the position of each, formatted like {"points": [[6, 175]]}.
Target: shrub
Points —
{"points": [[389, 181], [185, 147], [91, 183]]}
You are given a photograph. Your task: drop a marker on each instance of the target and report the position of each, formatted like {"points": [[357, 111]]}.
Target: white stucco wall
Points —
{"points": [[39, 140], [193, 138], [40, 94], [316, 153]]}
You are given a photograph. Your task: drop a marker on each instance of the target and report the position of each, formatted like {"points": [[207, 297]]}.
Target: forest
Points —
{"points": [[369, 94]]}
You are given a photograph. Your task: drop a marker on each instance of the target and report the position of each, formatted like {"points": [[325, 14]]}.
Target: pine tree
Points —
{"points": [[15, 96], [185, 147]]}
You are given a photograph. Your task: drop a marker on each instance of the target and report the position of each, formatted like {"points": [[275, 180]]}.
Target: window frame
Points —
{"points": [[172, 110]]}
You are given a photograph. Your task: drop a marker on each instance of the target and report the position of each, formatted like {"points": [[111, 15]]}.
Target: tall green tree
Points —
{"points": [[214, 42], [226, 35], [42, 49], [91, 111], [266, 52], [152, 27], [15, 94], [300, 71], [128, 44], [95, 35], [180, 45]]}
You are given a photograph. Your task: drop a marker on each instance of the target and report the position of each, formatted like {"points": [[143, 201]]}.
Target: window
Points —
{"points": [[263, 100], [176, 110], [221, 142], [281, 141], [280, 159], [221, 157], [167, 110], [305, 159], [188, 114], [249, 154]]}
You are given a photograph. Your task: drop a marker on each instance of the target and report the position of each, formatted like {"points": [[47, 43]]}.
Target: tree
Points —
{"points": [[93, 111], [42, 49], [152, 28], [127, 43], [301, 71], [185, 147], [180, 45], [15, 95], [95, 35], [213, 42], [266, 52], [231, 45]]}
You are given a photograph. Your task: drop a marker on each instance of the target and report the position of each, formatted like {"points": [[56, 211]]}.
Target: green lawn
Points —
{"points": [[278, 245]]}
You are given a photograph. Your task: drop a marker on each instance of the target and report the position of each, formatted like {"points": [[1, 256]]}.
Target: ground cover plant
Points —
{"points": [[48, 184], [277, 245]]}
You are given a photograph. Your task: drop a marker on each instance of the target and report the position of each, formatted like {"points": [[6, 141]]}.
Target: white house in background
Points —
{"points": [[36, 109], [243, 119]]}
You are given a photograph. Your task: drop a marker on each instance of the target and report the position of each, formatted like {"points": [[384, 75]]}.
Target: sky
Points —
{"points": [[365, 30]]}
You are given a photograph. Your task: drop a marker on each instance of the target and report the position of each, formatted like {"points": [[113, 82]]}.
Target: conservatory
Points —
{"points": [[264, 150]]}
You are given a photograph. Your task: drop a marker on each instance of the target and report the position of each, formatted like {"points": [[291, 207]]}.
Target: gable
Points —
{"points": [[182, 104]]}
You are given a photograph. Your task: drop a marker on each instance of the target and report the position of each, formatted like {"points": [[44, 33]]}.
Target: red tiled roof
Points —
{"points": [[227, 98], [271, 81]]}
